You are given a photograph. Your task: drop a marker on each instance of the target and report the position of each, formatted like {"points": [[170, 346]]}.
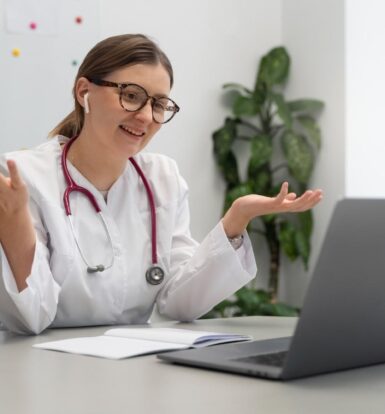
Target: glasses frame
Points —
{"points": [[121, 86]]}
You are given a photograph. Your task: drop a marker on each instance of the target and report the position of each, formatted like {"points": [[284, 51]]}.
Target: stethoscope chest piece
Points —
{"points": [[155, 275]]}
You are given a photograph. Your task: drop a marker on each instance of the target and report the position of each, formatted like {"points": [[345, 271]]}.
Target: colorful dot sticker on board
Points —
{"points": [[33, 25], [16, 52], [74, 62], [78, 20]]}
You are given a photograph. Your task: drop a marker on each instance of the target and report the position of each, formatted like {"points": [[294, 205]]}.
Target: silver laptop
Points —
{"points": [[342, 322]]}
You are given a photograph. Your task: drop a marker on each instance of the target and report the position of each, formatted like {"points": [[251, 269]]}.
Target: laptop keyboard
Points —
{"points": [[275, 359]]}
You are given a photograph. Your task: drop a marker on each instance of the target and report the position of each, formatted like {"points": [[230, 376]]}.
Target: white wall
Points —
{"points": [[36, 86], [313, 32], [365, 98], [209, 43]]}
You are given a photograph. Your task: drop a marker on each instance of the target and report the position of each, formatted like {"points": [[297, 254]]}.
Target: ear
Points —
{"points": [[81, 92]]}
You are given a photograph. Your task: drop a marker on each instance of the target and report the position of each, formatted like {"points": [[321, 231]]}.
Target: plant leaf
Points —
{"points": [[274, 67], [223, 139], [260, 93], [249, 300], [303, 246], [229, 168], [259, 180], [237, 86], [286, 236], [312, 129], [261, 151], [306, 222], [299, 156], [278, 309], [268, 218], [305, 105], [235, 192], [282, 109], [245, 106]]}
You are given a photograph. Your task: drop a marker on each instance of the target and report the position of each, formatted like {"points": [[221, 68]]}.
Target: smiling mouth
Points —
{"points": [[131, 131]]}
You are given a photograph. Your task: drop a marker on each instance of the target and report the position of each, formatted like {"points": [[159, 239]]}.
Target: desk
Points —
{"points": [[35, 381]]}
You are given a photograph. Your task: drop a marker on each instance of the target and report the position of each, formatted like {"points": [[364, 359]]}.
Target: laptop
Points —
{"points": [[342, 322]]}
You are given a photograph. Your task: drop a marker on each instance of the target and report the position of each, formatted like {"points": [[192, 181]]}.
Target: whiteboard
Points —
{"points": [[52, 37]]}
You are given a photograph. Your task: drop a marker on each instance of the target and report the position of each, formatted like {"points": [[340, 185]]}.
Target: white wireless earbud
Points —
{"points": [[86, 104]]}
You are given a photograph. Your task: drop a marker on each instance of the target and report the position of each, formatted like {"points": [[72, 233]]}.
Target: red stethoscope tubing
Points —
{"points": [[73, 187], [151, 202]]}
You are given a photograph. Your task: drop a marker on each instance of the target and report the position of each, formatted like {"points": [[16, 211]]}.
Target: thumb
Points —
{"points": [[282, 193], [16, 181]]}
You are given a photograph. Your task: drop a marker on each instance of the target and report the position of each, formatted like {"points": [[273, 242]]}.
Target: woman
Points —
{"points": [[62, 264]]}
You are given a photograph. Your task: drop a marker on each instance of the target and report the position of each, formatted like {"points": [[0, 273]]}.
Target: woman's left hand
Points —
{"points": [[247, 207]]}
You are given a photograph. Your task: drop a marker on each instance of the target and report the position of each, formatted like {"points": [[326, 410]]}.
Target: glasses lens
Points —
{"points": [[133, 97], [163, 110]]}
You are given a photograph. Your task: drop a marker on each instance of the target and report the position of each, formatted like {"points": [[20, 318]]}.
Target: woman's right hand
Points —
{"points": [[13, 196], [17, 234]]}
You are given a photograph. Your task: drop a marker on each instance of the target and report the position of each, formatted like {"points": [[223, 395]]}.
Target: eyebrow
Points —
{"points": [[103, 82], [156, 95]]}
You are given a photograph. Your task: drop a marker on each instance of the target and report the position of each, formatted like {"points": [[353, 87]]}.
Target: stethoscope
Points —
{"points": [[155, 273]]}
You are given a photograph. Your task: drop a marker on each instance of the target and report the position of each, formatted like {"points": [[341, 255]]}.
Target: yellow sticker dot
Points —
{"points": [[16, 52]]}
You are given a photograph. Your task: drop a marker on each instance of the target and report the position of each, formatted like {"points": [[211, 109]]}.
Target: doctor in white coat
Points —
{"points": [[107, 253]]}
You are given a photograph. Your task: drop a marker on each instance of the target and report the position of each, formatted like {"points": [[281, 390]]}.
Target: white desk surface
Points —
{"points": [[35, 381]]}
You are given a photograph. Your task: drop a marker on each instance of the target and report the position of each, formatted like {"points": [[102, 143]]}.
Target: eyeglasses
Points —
{"points": [[133, 97]]}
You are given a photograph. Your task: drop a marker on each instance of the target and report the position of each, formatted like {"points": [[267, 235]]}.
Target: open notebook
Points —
{"points": [[121, 343]]}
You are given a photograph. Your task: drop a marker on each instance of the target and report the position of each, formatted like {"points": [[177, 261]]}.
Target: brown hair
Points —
{"points": [[105, 57]]}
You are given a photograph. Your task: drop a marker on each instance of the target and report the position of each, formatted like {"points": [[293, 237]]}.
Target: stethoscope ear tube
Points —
{"points": [[99, 267]]}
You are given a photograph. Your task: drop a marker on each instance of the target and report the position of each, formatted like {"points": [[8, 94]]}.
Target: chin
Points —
{"points": [[129, 150]]}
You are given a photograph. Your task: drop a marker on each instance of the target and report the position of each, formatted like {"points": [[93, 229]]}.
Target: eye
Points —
{"points": [[132, 96], [159, 106], [164, 105]]}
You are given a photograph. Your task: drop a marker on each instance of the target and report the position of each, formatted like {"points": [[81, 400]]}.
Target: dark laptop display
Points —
{"points": [[342, 323]]}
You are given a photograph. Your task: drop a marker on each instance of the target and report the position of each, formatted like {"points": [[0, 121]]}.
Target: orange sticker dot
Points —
{"points": [[16, 52]]}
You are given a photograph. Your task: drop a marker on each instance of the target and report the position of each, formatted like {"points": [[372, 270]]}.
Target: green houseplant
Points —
{"points": [[283, 139]]}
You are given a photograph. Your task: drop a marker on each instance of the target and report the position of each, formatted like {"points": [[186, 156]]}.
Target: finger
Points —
{"points": [[282, 193], [301, 202], [308, 200], [315, 199], [315, 196], [291, 196], [16, 180]]}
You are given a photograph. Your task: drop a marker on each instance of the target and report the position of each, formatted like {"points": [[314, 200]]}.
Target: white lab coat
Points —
{"points": [[61, 293]]}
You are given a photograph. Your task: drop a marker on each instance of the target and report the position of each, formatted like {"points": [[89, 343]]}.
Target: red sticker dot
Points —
{"points": [[79, 20], [32, 25]]}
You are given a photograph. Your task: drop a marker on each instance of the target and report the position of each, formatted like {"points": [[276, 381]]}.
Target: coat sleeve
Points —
{"points": [[33, 309], [202, 275]]}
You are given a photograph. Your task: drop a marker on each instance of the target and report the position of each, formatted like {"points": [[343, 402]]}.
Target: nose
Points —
{"points": [[145, 114]]}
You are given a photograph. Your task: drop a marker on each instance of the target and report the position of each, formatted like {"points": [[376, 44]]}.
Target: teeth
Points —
{"points": [[132, 131]]}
